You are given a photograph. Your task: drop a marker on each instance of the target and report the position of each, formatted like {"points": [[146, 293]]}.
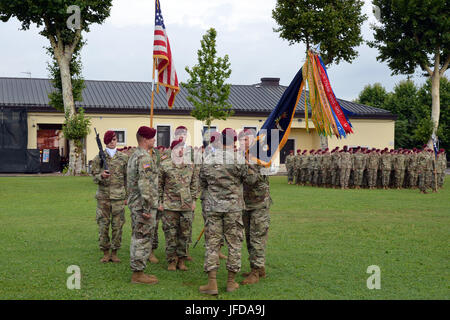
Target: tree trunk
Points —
{"points": [[75, 155], [435, 104]]}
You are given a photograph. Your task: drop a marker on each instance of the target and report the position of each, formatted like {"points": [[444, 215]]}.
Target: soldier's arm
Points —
{"points": [[96, 170], [125, 168], [194, 183], [161, 183], [144, 181]]}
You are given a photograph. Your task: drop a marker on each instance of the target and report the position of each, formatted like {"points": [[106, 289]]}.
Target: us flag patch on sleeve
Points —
{"points": [[146, 165]]}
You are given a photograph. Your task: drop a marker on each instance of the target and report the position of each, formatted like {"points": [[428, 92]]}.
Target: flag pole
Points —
{"points": [[153, 94]]}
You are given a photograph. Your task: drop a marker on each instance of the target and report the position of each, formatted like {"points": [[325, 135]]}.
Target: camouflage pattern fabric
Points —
{"points": [[256, 225], [110, 213], [290, 160], [155, 241], [359, 165], [141, 238], [177, 226]]}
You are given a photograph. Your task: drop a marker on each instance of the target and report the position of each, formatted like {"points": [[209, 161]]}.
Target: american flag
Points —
{"points": [[167, 76]]}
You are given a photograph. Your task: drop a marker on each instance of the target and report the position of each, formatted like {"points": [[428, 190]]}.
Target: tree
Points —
{"points": [[373, 95], [334, 24], [207, 89], [63, 22], [415, 34]]}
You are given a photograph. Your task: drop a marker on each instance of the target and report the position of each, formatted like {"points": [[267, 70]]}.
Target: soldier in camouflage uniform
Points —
{"points": [[290, 160], [309, 167], [256, 219], [297, 167], [385, 166], [142, 181], [359, 165], [111, 197], [345, 167], [222, 176], [412, 169], [317, 161], [441, 166], [178, 189], [303, 167], [399, 167], [326, 166], [372, 168], [335, 164]]}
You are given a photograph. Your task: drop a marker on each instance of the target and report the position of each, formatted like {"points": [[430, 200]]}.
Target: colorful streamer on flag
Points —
{"points": [[328, 116]]}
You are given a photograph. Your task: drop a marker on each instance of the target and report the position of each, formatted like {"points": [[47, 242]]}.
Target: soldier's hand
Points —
{"points": [[105, 174], [147, 215], [125, 202], [160, 208], [193, 206]]}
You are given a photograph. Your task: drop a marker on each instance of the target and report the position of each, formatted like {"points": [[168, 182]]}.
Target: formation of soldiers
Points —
{"points": [[163, 185], [368, 168]]}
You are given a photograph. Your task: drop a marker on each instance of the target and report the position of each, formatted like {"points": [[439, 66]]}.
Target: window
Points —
{"points": [[163, 136], [121, 135]]}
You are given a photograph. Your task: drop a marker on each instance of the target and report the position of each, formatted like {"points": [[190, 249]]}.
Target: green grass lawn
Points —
{"points": [[321, 242]]}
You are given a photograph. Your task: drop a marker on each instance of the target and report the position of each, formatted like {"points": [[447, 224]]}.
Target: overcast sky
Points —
{"points": [[121, 48]]}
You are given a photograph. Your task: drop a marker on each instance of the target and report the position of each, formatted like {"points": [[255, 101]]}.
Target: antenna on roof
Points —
{"points": [[28, 73]]}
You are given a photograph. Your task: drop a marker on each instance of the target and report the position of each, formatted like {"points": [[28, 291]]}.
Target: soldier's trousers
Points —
{"points": [[424, 180], [399, 178], [412, 179], [309, 175], [358, 177], [315, 178], [298, 178], [344, 176], [335, 177], [290, 173], [141, 238], [256, 226], [110, 213], [325, 176], [155, 241], [222, 242], [441, 178], [177, 227], [230, 226], [372, 177], [385, 177], [304, 175]]}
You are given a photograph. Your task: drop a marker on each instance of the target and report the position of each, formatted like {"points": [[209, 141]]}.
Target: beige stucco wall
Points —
{"points": [[372, 133]]}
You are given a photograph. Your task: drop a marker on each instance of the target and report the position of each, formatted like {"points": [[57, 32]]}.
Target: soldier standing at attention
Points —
{"points": [[335, 168], [309, 167], [222, 176], [345, 167], [290, 159], [178, 189], [256, 218], [303, 167], [385, 164], [317, 160], [359, 165], [399, 167], [441, 166], [142, 180], [111, 197], [372, 168], [297, 167], [326, 164]]}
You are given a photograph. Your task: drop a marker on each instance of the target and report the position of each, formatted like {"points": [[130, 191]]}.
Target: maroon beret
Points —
{"points": [[180, 129], [214, 136], [175, 143], [146, 132], [109, 135], [229, 135]]}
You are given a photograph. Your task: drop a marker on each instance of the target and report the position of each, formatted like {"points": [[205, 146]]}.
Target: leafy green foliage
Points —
{"points": [[56, 97], [53, 15], [335, 24], [373, 95], [76, 127], [411, 33], [207, 89]]}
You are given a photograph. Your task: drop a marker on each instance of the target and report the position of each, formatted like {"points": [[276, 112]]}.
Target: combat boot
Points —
{"points": [[262, 273], [173, 265], [252, 278], [211, 287], [152, 258], [231, 284], [141, 277], [106, 256], [181, 265], [114, 257]]}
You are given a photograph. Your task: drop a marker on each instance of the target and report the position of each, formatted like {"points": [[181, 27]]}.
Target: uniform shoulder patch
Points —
{"points": [[146, 165], [164, 157]]}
